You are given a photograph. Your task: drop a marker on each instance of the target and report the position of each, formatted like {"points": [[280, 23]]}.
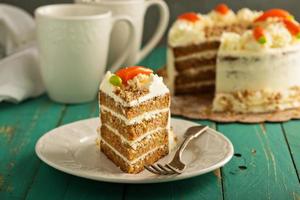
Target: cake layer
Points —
{"points": [[198, 70], [194, 63], [133, 131], [196, 87], [192, 75], [137, 119], [137, 165], [200, 76], [194, 48], [208, 54], [134, 150], [134, 144], [156, 103]]}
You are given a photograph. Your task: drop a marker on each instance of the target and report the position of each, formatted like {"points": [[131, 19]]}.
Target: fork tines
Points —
{"points": [[162, 170]]}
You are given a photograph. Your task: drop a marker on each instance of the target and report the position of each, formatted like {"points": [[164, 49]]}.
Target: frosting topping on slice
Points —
{"points": [[129, 73]]}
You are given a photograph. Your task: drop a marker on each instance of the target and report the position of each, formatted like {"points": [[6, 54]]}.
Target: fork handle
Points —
{"points": [[189, 138]]}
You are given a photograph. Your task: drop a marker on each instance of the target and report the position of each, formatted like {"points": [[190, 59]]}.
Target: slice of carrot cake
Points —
{"points": [[135, 118]]}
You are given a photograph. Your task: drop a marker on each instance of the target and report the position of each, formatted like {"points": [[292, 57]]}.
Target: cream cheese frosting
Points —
{"points": [[245, 15], [184, 32], [155, 86], [222, 19], [277, 36], [258, 81], [258, 70]]}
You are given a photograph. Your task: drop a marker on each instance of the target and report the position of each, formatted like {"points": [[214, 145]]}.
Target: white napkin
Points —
{"points": [[20, 76], [19, 71], [17, 28]]}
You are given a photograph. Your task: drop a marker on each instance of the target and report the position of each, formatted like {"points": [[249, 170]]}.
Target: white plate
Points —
{"points": [[72, 149]]}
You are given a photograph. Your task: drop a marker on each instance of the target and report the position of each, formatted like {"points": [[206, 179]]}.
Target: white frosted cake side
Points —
{"points": [[251, 77]]}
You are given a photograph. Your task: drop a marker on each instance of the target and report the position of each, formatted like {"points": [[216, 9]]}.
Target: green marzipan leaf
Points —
{"points": [[262, 40], [115, 80]]}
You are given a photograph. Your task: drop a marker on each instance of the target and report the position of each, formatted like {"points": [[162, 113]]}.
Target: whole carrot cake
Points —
{"points": [[249, 60], [135, 118]]}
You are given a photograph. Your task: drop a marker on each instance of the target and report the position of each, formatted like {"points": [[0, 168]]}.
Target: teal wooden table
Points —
{"points": [[266, 163]]}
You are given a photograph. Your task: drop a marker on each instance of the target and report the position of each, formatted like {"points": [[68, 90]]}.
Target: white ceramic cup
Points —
{"points": [[73, 40], [135, 9]]}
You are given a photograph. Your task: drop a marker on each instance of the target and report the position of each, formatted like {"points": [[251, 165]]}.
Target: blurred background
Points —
{"points": [[179, 6]]}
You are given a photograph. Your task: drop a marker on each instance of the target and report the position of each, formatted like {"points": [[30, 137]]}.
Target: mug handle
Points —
{"points": [[117, 64], [159, 32]]}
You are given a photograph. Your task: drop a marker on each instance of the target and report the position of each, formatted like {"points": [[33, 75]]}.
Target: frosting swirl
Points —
{"points": [[186, 32]]}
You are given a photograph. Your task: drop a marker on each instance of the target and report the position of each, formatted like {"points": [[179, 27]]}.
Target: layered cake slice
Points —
{"points": [[135, 118]]}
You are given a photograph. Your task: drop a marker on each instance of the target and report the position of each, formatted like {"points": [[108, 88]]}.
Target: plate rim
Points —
{"points": [[171, 178]]}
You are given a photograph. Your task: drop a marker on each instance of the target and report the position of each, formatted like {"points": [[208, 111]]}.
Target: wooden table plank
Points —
{"points": [[84, 189], [48, 183], [292, 133], [20, 127], [207, 186], [262, 167], [61, 185], [160, 191]]}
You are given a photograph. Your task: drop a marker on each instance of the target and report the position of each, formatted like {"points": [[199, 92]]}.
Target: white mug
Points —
{"points": [[136, 9], [73, 41]]}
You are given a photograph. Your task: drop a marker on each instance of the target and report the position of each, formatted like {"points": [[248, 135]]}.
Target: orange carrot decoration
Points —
{"points": [[222, 8], [259, 35], [190, 16], [293, 27], [279, 13], [129, 73]]}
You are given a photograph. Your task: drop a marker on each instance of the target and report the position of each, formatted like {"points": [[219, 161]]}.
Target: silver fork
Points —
{"points": [[176, 166]]}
